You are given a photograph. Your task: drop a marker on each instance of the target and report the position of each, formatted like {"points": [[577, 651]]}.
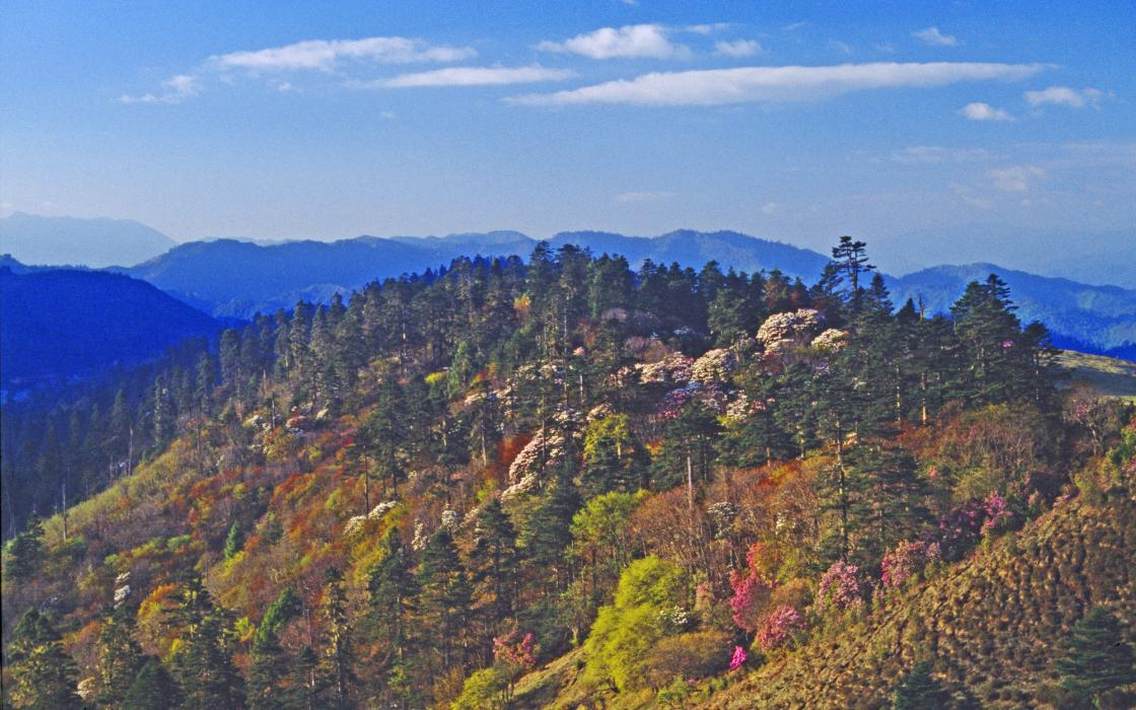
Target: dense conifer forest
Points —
{"points": [[564, 482]]}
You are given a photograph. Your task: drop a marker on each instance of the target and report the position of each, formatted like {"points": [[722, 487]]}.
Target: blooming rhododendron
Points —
{"points": [[715, 366], [738, 659], [840, 587], [784, 329], [997, 513], [750, 593], [907, 560], [778, 627]]}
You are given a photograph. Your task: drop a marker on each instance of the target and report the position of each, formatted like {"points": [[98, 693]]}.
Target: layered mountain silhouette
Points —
{"points": [[73, 241], [62, 323]]}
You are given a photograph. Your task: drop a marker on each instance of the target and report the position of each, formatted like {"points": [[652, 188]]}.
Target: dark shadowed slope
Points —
{"points": [[73, 241], [62, 323]]}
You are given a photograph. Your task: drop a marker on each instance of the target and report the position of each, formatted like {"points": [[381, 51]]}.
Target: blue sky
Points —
{"points": [[796, 121]]}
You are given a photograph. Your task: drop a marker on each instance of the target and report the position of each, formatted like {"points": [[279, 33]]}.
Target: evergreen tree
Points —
{"points": [[202, 663], [269, 660], [392, 589], [919, 690], [444, 599], [24, 552], [43, 675], [152, 688], [338, 662], [119, 657], [1096, 660], [493, 565], [549, 531]]}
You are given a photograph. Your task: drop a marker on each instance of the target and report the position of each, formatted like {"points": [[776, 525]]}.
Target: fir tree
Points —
{"points": [[493, 564], [392, 589], [43, 675], [338, 663], [153, 688], [202, 663], [119, 658], [444, 599], [919, 690], [1096, 659]]}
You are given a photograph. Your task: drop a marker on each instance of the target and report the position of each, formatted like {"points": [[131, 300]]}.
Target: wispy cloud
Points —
{"points": [[934, 155], [979, 111], [324, 55], [708, 28], [647, 41], [642, 196], [842, 47], [1065, 96], [1015, 178], [738, 48], [777, 84], [470, 76], [935, 38], [174, 90]]}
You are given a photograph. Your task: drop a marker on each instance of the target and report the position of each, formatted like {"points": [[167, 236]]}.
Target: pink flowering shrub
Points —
{"points": [[997, 514], [778, 627], [840, 587], [906, 561], [517, 653], [738, 659], [750, 594]]}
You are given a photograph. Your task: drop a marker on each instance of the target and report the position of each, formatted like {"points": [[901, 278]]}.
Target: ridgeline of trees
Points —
{"points": [[417, 495]]}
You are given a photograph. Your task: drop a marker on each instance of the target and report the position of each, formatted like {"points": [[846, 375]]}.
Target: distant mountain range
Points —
{"points": [[233, 278], [236, 279], [1098, 319], [71, 241], [56, 324]]}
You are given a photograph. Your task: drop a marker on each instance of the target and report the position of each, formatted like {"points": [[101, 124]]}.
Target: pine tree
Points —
{"points": [[493, 564], [153, 688], [338, 663], [119, 658], [269, 660], [549, 531], [202, 663], [43, 675], [234, 541], [919, 690], [24, 552], [392, 589], [444, 599], [1096, 659]]}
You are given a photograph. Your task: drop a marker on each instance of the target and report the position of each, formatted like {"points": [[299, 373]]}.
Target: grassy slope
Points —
{"points": [[991, 622]]}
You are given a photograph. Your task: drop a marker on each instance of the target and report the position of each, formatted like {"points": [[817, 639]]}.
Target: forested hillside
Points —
{"points": [[59, 324], [568, 482]]}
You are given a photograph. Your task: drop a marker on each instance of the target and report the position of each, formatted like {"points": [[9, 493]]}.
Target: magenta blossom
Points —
{"points": [[738, 659]]}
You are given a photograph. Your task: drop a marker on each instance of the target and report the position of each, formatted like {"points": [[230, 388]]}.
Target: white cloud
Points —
{"points": [[979, 111], [471, 76], [935, 38], [770, 208], [643, 196], [934, 155], [323, 55], [1065, 96], [631, 41], [738, 48], [1015, 178], [776, 84], [708, 28], [174, 90]]}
